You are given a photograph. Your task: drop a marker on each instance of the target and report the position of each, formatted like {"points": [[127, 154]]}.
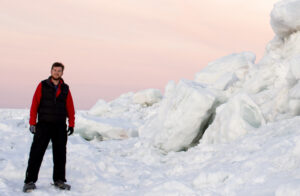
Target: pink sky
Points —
{"points": [[113, 47]]}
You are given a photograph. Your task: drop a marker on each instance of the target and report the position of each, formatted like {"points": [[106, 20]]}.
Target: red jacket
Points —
{"points": [[36, 102]]}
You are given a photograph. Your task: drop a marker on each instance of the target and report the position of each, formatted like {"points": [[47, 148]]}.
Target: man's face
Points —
{"points": [[56, 73]]}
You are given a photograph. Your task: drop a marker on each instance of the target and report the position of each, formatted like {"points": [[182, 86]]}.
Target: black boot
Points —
{"points": [[28, 187], [62, 185]]}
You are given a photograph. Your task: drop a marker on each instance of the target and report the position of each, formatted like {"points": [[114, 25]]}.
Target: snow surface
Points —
{"points": [[233, 131], [265, 161]]}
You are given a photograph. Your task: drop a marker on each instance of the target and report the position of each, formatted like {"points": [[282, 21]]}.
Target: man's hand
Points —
{"points": [[32, 129], [70, 130]]}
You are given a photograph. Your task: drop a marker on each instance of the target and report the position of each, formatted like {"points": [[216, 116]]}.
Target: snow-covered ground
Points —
{"points": [[263, 162], [234, 130]]}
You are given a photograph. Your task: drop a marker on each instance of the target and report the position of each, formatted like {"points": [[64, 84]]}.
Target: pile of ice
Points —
{"points": [[229, 98], [245, 95], [187, 107], [118, 119], [213, 103]]}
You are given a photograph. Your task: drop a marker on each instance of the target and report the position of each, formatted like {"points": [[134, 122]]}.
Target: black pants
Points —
{"points": [[58, 135]]}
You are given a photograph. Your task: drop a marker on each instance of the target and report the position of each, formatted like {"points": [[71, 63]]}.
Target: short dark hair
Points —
{"points": [[58, 64]]}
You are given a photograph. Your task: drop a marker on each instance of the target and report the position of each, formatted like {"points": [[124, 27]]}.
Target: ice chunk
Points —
{"points": [[224, 72], [294, 99], [182, 117], [294, 107], [117, 119], [91, 127], [147, 97], [260, 79], [285, 17], [99, 108], [294, 69], [234, 119], [225, 81], [170, 88], [294, 92]]}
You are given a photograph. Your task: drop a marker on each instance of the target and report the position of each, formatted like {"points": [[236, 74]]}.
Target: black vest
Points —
{"points": [[53, 109]]}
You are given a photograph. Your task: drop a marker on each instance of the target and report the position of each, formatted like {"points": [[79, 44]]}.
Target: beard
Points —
{"points": [[55, 78]]}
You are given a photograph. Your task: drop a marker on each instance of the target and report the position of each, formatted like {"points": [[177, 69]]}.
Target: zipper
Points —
{"points": [[55, 91]]}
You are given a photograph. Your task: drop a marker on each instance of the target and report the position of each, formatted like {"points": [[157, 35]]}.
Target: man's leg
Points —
{"points": [[38, 147], [59, 147]]}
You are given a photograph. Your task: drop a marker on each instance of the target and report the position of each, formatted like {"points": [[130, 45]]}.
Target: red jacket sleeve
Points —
{"points": [[35, 104], [70, 110]]}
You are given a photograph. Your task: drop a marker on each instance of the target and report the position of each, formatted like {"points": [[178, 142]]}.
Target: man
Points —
{"points": [[52, 103]]}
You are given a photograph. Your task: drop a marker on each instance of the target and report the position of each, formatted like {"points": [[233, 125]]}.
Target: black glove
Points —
{"points": [[32, 129], [70, 130]]}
